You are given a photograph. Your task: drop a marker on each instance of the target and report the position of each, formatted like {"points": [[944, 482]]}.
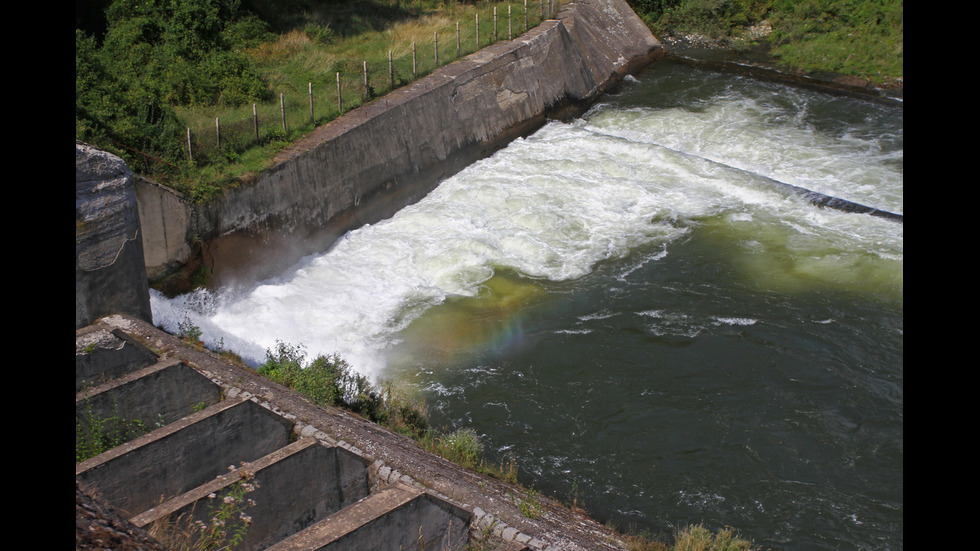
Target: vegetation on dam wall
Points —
{"points": [[170, 86], [198, 94]]}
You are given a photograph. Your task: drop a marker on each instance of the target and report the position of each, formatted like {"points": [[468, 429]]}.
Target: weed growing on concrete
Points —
{"points": [[189, 332], [529, 504], [95, 434], [227, 522], [699, 538], [463, 447], [329, 381]]}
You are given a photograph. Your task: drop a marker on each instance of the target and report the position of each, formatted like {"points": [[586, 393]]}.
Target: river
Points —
{"points": [[637, 308]]}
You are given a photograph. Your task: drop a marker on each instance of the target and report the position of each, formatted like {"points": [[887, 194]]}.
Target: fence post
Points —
{"points": [[340, 100], [435, 48], [415, 72], [525, 16], [367, 93], [477, 31], [312, 118], [217, 131], [510, 29], [282, 109], [391, 70], [255, 122], [495, 24], [190, 152], [457, 39]]}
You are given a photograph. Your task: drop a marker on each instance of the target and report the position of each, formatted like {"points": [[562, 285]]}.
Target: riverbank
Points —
{"points": [[756, 61]]}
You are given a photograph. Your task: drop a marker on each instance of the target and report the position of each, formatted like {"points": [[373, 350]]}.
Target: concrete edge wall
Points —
{"points": [[366, 165], [183, 454], [159, 394]]}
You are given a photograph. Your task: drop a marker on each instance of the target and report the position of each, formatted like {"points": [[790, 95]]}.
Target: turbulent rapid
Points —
{"points": [[640, 309]]}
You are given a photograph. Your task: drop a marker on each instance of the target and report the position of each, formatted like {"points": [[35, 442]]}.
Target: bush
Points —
{"points": [[329, 381]]}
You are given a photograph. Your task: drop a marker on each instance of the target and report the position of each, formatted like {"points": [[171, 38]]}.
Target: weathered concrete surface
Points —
{"points": [[101, 355], [158, 394], [364, 166], [108, 243], [296, 486], [396, 518], [184, 454], [490, 503]]}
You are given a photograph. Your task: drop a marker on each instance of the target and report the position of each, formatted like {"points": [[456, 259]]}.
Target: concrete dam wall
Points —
{"points": [[366, 165]]}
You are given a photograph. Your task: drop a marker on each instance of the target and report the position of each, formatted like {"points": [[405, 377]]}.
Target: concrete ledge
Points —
{"points": [[154, 396], [396, 518], [338, 457], [101, 355], [296, 486], [169, 461]]}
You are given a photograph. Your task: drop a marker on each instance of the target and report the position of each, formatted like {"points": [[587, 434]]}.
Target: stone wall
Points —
{"points": [[366, 165], [110, 274]]}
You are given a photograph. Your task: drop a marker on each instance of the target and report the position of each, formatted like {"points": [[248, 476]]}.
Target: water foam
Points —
{"points": [[552, 207]]}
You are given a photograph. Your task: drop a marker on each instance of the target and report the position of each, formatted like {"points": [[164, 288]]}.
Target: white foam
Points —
{"points": [[552, 206]]}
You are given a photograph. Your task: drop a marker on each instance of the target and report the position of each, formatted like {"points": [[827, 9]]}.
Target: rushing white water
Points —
{"points": [[553, 206]]}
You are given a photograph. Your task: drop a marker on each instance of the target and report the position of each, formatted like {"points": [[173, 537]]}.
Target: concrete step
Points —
{"points": [[399, 517], [307, 494], [144, 399], [294, 487], [182, 455], [102, 355]]}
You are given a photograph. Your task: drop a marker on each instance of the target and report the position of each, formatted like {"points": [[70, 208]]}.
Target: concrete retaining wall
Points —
{"points": [[366, 165], [296, 486], [182, 455], [159, 394]]}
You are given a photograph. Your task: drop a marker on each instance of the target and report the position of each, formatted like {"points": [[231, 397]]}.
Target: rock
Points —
{"points": [[110, 273]]}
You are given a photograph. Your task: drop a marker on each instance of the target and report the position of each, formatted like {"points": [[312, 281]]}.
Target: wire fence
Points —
{"points": [[295, 113]]}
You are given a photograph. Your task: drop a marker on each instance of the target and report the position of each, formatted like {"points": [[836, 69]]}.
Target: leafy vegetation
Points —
{"points": [[863, 38], [202, 94], [330, 381], [694, 537], [95, 434], [227, 518]]}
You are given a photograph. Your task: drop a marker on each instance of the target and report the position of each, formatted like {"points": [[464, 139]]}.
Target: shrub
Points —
{"points": [[331, 381]]}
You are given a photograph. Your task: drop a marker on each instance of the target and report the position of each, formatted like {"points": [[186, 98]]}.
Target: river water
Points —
{"points": [[634, 308]]}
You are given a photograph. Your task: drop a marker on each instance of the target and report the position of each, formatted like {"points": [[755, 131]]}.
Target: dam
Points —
{"points": [[733, 355], [212, 425]]}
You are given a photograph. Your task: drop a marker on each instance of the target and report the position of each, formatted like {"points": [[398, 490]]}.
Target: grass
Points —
{"points": [[227, 522], [302, 66], [694, 537], [329, 381], [862, 38], [95, 434]]}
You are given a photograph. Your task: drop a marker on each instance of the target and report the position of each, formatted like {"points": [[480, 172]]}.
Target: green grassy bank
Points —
{"points": [[201, 94], [862, 38]]}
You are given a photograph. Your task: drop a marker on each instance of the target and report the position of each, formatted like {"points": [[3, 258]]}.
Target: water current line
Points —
{"points": [[814, 197]]}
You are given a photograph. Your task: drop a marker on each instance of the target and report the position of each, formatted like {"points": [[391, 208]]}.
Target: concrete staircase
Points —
{"points": [[201, 444]]}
